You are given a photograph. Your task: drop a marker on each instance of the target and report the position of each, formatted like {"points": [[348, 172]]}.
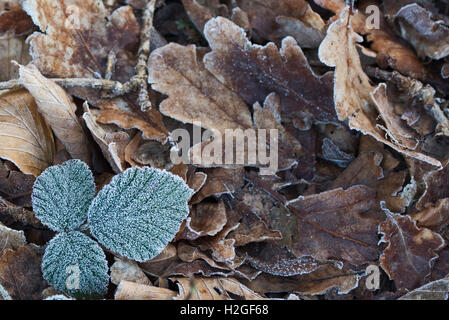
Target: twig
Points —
{"points": [[140, 80]]}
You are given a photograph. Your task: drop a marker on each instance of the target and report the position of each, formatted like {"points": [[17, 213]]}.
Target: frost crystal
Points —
{"points": [[139, 212], [75, 264], [62, 195]]}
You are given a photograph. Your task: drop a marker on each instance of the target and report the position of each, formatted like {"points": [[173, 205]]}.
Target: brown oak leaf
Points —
{"points": [[411, 250]]}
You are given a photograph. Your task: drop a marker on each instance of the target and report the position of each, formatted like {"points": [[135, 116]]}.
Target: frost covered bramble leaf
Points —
{"points": [[75, 264], [62, 195], [139, 212]]}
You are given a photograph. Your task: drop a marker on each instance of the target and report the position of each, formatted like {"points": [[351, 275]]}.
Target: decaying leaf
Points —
{"points": [[128, 290], [10, 239], [411, 250], [436, 290], [26, 139], [20, 273], [213, 289], [58, 110], [357, 100], [125, 270]]}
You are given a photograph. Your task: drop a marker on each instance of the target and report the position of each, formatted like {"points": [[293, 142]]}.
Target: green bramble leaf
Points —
{"points": [[62, 195], [75, 264], [139, 212]]}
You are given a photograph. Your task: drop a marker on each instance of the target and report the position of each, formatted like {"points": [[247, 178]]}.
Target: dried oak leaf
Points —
{"points": [[254, 72], [433, 216], [436, 290], [203, 11], [77, 38], [436, 187], [332, 225], [274, 20], [26, 139], [426, 32], [205, 219], [359, 102], [128, 290], [20, 273], [390, 52], [411, 250], [58, 109], [213, 289]]}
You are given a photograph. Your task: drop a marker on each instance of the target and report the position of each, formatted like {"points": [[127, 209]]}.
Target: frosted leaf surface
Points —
{"points": [[62, 195], [75, 264], [139, 212]]}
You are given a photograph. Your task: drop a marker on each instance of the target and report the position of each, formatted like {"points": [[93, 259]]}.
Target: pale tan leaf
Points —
{"points": [[58, 110], [134, 291], [212, 289], [26, 139]]}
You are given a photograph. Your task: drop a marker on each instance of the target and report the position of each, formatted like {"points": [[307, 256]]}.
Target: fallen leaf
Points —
{"points": [[58, 110], [124, 270], [27, 139], [436, 290], [128, 290], [212, 289], [332, 225], [411, 250], [10, 239], [20, 273], [357, 100], [433, 216]]}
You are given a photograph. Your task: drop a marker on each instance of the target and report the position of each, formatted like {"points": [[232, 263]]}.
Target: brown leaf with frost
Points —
{"points": [[27, 139], [20, 273], [58, 110], [10, 239], [78, 46], [274, 20], [425, 31], [14, 19], [332, 225], [436, 290], [254, 72], [125, 270], [12, 48], [357, 100], [128, 290], [436, 187], [433, 216], [390, 52], [16, 185], [411, 250], [213, 289]]}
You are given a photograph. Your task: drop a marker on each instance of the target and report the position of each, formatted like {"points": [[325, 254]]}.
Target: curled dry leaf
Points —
{"points": [[433, 216], [111, 140], [128, 290], [390, 52], [125, 270], [358, 101], [58, 110], [26, 139], [411, 250], [20, 273], [213, 289], [425, 31]]}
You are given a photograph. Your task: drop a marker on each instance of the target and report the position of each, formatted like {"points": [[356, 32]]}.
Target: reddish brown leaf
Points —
{"points": [[411, 250]]}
